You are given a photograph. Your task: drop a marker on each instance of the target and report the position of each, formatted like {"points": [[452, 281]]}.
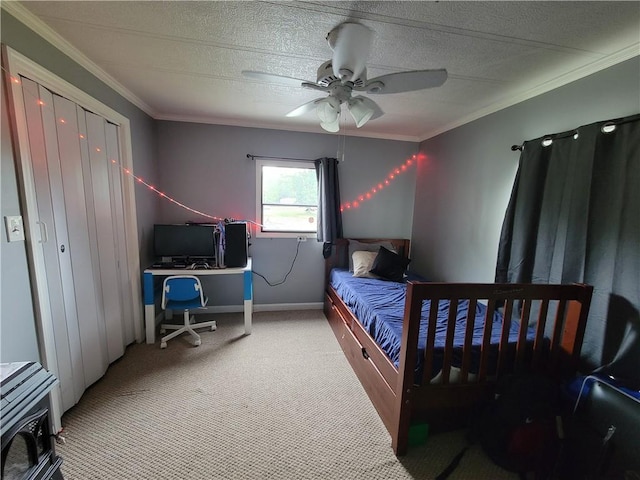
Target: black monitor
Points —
{"points": [[184, 240]]}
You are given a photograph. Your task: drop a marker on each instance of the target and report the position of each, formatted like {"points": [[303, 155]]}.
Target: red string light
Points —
{"points": [[163, 195], [369, 195], [41, 103], [381, 185]]}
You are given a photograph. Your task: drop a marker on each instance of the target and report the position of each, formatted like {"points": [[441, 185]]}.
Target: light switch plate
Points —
{"points": [[15, 228]]}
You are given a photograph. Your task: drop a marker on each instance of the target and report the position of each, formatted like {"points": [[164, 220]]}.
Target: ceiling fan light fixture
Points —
{"points": [[360, 112], [328, 110], [332, 127]]}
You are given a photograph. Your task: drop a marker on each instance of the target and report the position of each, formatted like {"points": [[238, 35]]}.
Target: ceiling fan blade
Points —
{"points": [[406, 81], [351, 43], [315, 86], [304, 108], [270, 77]]}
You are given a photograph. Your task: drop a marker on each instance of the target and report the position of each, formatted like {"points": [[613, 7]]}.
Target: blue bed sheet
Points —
{"points": [[379, 306]]}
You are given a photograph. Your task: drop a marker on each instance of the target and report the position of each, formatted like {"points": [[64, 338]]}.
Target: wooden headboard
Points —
{"points": [[340, 251]]}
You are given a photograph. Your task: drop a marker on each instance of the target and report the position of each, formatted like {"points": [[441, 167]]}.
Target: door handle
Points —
{"points": [[44, 233]]}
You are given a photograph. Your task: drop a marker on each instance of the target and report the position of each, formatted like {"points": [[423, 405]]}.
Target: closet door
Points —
{"points": [[78, 190], [117, 207], [87, 298], [80, 225], [41, 123], [106, 244]]}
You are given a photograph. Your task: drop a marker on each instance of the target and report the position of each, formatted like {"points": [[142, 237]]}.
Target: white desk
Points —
{"points": [[150, 301]]}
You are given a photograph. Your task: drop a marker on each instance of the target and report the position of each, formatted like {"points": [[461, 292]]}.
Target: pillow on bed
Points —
{"points": [[355, 245], [362, 263], [389, 265]]}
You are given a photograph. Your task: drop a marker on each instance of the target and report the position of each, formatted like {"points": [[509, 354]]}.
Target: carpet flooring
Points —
{"points": [[282, 403]]}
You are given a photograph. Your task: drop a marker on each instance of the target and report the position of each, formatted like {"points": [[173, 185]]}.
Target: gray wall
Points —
{"points": [[206, 167], [17, 323], [464, 184]]}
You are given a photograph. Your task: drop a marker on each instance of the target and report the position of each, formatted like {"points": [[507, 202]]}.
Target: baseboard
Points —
{"points": [[276, 307], [264, 307]]}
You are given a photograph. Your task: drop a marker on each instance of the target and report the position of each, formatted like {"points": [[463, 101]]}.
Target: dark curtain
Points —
{"points": [[329, 215], [574, 216]]}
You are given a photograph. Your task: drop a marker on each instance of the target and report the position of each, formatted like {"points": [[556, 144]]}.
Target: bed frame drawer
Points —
{"points": [[339, 314], [362, 364], [336, 320]]}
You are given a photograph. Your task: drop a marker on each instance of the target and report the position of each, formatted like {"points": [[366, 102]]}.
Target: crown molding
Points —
{"points": [[32, 22], [289, 128], [620, 56]]}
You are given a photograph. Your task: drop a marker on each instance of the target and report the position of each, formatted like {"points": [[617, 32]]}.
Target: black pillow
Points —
{"points": [[389, 265]]}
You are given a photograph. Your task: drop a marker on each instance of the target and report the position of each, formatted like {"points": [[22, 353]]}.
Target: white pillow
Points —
{"points": [[362, 263], [354, 245]]}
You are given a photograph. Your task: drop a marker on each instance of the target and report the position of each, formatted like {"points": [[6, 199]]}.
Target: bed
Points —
{"points": [[424, 365]]}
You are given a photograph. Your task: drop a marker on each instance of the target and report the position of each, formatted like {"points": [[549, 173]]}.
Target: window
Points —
{"points": [[287, 198]]}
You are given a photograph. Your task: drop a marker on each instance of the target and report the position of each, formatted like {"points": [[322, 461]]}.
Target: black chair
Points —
{"points": [[603, 434]]}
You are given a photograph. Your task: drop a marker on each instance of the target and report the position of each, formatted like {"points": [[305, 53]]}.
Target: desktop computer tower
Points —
{"points": [[236, 249]]}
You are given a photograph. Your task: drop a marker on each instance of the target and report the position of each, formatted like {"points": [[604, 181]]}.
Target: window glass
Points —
{"points": [[287, 197]]}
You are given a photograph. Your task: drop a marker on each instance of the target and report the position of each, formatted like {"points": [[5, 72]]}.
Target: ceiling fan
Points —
{"points": [[346, 73]]}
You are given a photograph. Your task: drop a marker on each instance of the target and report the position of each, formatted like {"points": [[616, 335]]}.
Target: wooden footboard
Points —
{"points": [[559, 313]]}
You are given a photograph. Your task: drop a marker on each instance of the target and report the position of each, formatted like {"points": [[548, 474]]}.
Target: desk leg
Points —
{"points": [[149, 308], [248, 302]]}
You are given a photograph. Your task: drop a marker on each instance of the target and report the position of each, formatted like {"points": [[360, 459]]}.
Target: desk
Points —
{"points": [[150, 301]]}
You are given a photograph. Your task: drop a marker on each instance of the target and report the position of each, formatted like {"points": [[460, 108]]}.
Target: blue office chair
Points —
{"points": [[183, 292]]}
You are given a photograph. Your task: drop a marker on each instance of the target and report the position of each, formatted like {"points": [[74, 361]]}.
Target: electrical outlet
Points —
{"points": [[302, 239], [15, 228]]}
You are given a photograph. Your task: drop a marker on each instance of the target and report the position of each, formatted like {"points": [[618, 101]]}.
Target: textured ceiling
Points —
{"points": [[182, 60]]}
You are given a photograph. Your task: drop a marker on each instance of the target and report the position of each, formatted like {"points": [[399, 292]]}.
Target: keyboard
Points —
{"points": [[169, 265], [184, 265]]}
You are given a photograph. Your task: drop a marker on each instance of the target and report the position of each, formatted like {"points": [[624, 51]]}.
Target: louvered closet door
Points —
{"points": [[106, 250], [80, 224], [117, 208], [87, 295], [47, 175]]}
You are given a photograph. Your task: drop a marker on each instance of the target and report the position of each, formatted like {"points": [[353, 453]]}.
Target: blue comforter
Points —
{"points": [[379, 306]]}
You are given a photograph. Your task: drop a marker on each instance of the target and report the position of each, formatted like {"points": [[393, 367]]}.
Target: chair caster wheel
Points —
{"points": [[163, 345], [197, 343], [214, 327]]}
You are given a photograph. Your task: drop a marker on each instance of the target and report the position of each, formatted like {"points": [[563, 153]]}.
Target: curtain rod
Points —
{"points": [[253, 157], [604, 123]]}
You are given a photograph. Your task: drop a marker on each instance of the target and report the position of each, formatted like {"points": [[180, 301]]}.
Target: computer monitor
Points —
{"points": [[184, 240]]}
